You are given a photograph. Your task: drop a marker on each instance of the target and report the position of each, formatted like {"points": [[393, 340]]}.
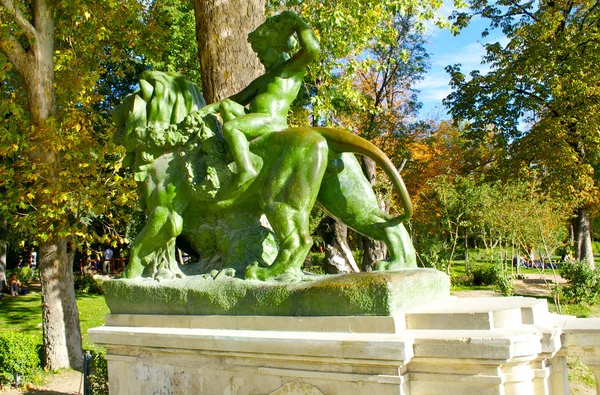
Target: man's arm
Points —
{"points": [[246, 95], [309, 44]]}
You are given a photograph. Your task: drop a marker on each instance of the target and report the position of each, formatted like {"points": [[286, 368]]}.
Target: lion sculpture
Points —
{"points": [[184, 176]]}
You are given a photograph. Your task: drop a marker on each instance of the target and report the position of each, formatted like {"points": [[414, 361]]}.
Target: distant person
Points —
{"points": [[33, 259], [108, 254], [15, 285]]}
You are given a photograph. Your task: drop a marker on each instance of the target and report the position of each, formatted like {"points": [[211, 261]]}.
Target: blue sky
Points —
{"points": [[446, 49]]}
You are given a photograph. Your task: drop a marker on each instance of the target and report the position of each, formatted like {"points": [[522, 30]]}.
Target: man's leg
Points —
{"points": [[237, 132]]}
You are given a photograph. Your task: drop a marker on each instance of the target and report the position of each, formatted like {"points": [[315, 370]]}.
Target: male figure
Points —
{"points": [[271, 94], [33, 259], [108, 254]]}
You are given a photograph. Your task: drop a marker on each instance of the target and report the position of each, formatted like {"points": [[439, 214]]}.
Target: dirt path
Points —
{"points": [[537, 285], [64, 383]]}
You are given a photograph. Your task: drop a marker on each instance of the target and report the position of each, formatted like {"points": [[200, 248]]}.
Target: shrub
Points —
{"points": [[433, 253], [505, 284], [463, 280], [484, 275], [583, 282], [98, 378], [88, 284], [18, 353], [596, 247]]}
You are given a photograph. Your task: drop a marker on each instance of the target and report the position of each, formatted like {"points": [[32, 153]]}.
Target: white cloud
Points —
{"points": [[466, 49]]}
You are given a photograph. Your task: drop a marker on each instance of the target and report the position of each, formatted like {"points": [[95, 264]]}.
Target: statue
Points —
{"points": [[210, 183]]}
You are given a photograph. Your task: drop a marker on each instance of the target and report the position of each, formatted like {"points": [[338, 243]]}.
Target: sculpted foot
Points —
{"points": [[133, 270], [255, 272]]}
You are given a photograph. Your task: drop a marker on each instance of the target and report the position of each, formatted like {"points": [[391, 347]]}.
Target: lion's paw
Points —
{"points": [[219, 274], [165, 274], [255, 272]]}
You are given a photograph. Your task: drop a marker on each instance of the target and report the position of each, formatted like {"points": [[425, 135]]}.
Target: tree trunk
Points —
{"points": [[338, 257], [60, 321], [583, 237], [3, 251], [467, 263], [373, 250], [227, 60], [60, 317]]}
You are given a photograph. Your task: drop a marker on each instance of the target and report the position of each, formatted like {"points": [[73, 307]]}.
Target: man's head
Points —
{"points": [[273, 41]]}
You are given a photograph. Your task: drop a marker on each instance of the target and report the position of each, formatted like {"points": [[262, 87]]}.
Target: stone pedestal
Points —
{"points": [[453, 346]]}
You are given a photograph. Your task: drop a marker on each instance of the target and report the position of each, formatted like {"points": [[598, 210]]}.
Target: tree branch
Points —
{"points": [[524, 11], [19, 18], [13, 50]]}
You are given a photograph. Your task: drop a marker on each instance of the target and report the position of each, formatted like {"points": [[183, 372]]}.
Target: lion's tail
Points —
{"points": [[342, 141]]}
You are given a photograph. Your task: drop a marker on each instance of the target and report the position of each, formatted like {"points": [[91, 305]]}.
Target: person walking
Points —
{"points": [[108, 254]]}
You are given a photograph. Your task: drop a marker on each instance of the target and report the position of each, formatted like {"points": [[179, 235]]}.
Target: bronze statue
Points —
{"points": [[189, 186]]}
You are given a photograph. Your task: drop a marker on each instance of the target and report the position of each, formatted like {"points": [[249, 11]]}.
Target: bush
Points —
{"points": [[98, 378], [505, 284], [596, 247], [583, 282], [88, 284], [18, 353], [463, 280], [484, 275], [433, 253], [24, 274]]}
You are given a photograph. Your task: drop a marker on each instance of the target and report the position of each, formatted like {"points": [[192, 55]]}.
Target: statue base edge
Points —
{"points": [[356, 294], [517, 348]]}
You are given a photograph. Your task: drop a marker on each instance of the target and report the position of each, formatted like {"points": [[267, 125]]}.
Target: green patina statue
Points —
{"points": [[210, 183]]}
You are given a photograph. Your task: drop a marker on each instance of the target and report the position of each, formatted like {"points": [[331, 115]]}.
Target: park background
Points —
{"points": [[504, 170]]}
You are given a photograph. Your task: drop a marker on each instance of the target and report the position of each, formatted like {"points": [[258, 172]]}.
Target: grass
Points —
{"points": [[24, 313]]}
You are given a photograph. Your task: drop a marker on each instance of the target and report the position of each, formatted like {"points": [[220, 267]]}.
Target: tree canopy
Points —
{"points": [[541, 94]]}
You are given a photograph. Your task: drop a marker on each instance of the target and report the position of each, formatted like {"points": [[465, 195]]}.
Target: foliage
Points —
{"points": [[540, 96], [580, 373], [432, 252], [89, 284], [345, 30], [584, 282], [63, 197], [98, 378], [18, 353], [317, 262], [505, 283], [485, 274], [512, 216], [24, 274], [170, 38], [596, 247], [461, 280], [384, 84]]}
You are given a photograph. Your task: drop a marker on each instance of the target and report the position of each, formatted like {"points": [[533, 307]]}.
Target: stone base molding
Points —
{"points": [[453, 346]]}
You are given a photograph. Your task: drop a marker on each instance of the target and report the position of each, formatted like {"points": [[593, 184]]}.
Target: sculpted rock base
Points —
{"points": [[377, 293]]}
